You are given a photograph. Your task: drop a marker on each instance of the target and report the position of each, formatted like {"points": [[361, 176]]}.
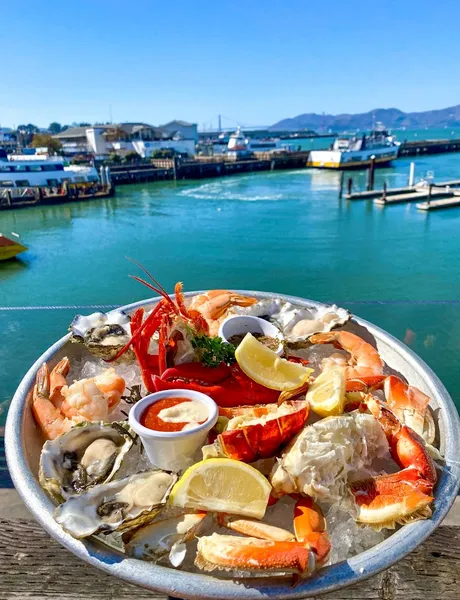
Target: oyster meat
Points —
{"points": [[103, 334], [88, 454], [158, 539], [297, 323], [116, 506]]}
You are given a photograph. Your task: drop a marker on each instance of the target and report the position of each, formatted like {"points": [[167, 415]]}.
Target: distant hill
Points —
{"points": [[390, 117]]}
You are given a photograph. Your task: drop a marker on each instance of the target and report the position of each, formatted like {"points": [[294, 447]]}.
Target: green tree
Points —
{"points": [[132, 157], [54, 127], [114, 157], [42, 140]]}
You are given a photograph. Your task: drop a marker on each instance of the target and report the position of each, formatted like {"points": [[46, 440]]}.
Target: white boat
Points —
{"points": [[24, 172], [357, 152], [240, 145]]}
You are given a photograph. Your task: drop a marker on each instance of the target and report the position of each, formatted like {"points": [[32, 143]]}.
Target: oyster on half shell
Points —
{"points": [[297, 323], [87, 455], [103, 334], [116, 506]]}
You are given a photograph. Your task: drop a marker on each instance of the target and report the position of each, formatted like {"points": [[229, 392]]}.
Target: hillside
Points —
{"points": [[390, 117]]}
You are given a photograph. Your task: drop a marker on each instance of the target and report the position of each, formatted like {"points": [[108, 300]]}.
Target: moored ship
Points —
{"points": [[357, 152]]}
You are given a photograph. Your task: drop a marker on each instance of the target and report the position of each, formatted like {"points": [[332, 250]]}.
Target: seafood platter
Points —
{"points": [[227, 444]]}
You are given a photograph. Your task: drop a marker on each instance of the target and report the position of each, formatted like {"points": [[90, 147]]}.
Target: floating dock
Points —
{"points": [[414, 196], [451, 202], [371, 194]]}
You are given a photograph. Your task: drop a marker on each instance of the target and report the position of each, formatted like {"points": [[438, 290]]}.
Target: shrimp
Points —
{"points": [[213, 306], [58, 381], [364, 361], [56, 409], [48, 416], [112, 385]]}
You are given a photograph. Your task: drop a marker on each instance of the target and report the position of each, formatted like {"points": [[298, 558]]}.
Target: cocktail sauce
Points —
{"points": [[150, 417]]}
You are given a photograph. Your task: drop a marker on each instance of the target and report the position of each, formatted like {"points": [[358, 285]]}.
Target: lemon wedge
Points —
{"points": [[222, 485], [327, 393], [265, 367]]}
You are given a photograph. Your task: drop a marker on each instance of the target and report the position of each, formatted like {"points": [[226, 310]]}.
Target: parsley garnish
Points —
{"points": [[213, 350]]}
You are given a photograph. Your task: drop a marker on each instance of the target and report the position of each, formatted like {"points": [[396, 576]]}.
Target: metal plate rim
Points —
{"points": [[191, 585]]}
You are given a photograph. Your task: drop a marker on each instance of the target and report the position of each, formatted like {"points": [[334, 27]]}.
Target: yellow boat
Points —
{"points": [[10, 248]]}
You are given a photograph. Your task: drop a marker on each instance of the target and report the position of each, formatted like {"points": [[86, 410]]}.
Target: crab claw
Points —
{"points": [[310, 527], [394, 499]]}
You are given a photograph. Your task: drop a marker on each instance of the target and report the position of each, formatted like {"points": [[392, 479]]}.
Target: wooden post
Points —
{"points": [[430, 188], [384, 195], [349, 185], [370, 174], [342, 181]]}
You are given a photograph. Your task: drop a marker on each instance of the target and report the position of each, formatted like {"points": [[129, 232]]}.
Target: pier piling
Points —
{"points": [[370, 174], [342, 181], [411, 174], [349, 185]]}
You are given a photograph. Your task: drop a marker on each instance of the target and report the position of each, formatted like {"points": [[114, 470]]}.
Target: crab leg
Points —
{"points": [[270, 548], [255, 528]]}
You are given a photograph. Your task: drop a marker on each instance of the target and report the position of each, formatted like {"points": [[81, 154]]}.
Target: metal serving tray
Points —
{"points": [[23, 444]]}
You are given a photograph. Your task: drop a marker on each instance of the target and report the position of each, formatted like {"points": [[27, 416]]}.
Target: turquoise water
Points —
{"points": [[280, 231]]}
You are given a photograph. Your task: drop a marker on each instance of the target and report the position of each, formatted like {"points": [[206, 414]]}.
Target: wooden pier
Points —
{"points": [[419, 148], [450, 202], [205, 167], [414, 196], [371, 194]]}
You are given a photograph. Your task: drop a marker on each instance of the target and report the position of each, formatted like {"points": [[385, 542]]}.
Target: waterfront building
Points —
{"points": [[101, 140]]}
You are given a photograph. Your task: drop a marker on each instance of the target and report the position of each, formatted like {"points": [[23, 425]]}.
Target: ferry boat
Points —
{"points": [[357, 152], [10, 248], [22, 171]]}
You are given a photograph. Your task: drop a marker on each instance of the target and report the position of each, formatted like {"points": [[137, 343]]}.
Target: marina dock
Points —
{"points": [[414, 196], [419, 148], [400, 191], [451, 202]]}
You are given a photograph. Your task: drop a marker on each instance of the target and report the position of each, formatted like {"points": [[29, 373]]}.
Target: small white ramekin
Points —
{"points": [[172, 450], [239, 324]]}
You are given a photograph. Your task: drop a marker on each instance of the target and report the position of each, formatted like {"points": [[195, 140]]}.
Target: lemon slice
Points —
{"points": [[265, 367], [327, 393], [222, 485]]}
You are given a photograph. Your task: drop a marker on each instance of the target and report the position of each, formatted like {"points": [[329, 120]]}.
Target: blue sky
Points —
{"points": [[253, 61]]}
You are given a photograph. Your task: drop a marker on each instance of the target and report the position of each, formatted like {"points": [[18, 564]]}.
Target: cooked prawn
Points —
{"points": [[213, 306], [57, 409], [364, 360], [52, 422]]}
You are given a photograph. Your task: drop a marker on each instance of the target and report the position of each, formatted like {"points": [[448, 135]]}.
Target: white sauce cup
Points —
{"points": [[172, 450], [242, 324]]}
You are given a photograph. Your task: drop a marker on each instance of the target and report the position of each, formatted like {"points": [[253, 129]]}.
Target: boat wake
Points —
{"points": [[227, 191]]}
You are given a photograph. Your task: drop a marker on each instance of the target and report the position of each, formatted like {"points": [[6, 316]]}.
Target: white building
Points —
{"points": [[188, 131], [146, 149], [101, 140]]}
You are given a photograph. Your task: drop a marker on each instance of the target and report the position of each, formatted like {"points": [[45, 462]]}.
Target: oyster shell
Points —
{"points": [[88, 454], [297, 323], [103, 334], [116, 506], [156, 540]]}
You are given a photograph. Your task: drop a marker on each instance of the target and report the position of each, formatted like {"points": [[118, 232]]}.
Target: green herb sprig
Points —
{"points": [[213, 351]]}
